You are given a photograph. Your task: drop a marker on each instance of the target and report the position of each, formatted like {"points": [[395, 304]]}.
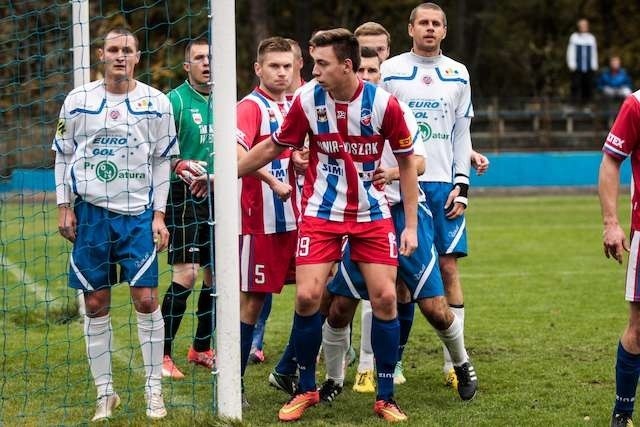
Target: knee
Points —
{"points": [[96, 305], [448, 266], [384, 304], [186, 275], [308, 301]]}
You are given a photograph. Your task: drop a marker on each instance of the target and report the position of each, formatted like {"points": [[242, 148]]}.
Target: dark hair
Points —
{"points": [[272, 44], [123, 31], [187, 50], [345, 44], [429, 6], [368, 52]]}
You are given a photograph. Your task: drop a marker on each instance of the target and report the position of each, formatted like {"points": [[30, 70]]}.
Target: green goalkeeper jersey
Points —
{"points": [[194, 123]]}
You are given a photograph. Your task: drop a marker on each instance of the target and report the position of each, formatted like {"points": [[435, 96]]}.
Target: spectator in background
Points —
{"points": [[614, 82], [582, 60]]}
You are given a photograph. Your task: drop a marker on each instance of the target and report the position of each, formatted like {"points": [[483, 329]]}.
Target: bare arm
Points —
{"points": [[409, 188], [613, 237], [258, 156]]}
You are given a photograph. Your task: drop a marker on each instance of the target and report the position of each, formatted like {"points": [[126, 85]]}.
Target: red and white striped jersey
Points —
{"points": [[262, 211], [623, 141], [345, 145]]}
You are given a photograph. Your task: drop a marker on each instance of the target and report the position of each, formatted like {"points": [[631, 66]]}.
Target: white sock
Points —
{"points": [[365, 362], [98, 337], [453, 340], [335, 344], [151, 336], [448, 363]]}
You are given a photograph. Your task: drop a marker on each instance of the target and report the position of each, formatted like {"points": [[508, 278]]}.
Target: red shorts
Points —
{"points": [[320, 241], [265, 261]]}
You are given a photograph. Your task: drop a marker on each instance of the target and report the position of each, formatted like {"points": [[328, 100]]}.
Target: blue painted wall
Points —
{"points": [[550, 169], [557, 169]]}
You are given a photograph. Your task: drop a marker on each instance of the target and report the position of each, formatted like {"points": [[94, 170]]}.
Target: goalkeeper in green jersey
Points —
{"points": [[189, 212]]}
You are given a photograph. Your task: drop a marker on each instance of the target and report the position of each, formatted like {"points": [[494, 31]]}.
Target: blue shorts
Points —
{"points": [[420, 271], [105, 239], [450, 234]]}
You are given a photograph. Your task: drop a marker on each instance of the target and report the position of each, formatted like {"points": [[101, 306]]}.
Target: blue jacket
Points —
{"points": [[614, 80]]}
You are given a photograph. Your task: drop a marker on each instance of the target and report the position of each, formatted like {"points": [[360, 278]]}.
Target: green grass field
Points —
{"points": [[544, 310]]}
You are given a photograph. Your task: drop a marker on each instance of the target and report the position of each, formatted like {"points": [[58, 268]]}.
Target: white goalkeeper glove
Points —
{"points": [[187, 170]]}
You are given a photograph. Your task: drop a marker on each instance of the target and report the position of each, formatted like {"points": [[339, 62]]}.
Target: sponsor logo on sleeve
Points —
{"points": [[615, 140], [61, 128], [405, 142]]}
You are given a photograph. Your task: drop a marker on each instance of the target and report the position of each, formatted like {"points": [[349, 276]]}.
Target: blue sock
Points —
{"points": [[246, 335], [258, 332], [385, 337], [405, 317], [287, 364], [627, 369], [307, 337]]}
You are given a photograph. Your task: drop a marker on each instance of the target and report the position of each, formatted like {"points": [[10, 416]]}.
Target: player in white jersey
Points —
{"points": [[113, 146], [347, 122], [438, 91]]}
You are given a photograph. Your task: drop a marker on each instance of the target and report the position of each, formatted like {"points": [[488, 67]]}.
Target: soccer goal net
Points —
{"points": [[44, 373]]}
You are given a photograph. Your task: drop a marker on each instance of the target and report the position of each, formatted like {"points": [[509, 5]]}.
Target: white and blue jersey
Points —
{"points": [[438, 91], [112, 140]]}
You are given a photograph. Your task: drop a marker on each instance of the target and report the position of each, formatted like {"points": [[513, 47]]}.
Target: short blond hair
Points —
{"points": [[372, 29]]}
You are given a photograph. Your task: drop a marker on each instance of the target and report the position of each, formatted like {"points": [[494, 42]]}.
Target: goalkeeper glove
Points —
{"points": [[187, 170]]}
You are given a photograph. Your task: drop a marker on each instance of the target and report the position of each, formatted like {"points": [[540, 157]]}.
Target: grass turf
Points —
{"points": [[544, 310]]}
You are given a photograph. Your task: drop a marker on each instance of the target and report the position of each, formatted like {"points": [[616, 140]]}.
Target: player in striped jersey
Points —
{"points": [[269, 215], [624, 141], [419, 274], [347, 121], [113, 143]]}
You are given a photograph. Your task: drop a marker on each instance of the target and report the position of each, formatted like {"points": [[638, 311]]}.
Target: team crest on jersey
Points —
{"points": [[341, 115], [321, 113], [272, 115], [426, 79], [365, 117], [197, 117], [114, 114]]}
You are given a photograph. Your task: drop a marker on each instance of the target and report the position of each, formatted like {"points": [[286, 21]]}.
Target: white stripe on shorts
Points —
{"points": [[245, 254], [427, 272], [144, 267], [458, 236], [81, 278], [631, 292]]}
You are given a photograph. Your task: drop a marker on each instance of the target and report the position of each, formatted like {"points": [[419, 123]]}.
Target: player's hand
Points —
{"points": [[199, 186], [160, 232], [188, 170], [408, 241], [452, 208], [67, 223], [479, 162], [381, 177], [282, 190], [614, 241], [300, 159]]}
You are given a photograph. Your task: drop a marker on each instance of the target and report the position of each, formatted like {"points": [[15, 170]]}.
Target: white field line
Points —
{"points": [[40, 292]]}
